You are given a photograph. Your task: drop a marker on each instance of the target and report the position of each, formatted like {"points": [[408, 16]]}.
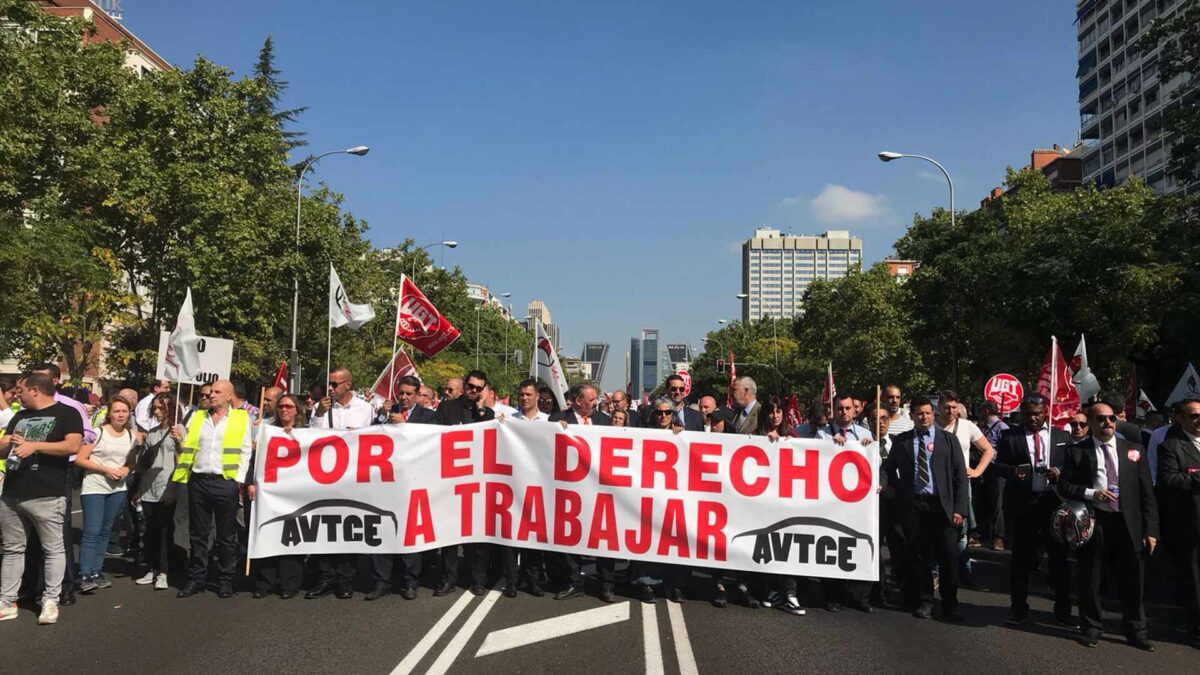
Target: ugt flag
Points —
{"points": [[342, 312], [419, 323], [183, 345], [400, 366], [1054, 382], [546, 366]]}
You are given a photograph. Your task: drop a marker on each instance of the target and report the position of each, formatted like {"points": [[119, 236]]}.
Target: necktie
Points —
{"points": [[584, 421], [404, 414], [1110, 470], [1037, 448], [922, 464]]}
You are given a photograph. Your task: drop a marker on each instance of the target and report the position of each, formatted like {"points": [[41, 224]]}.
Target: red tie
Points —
{"points": [[404, 414], [584, 420], [1037, 448]]}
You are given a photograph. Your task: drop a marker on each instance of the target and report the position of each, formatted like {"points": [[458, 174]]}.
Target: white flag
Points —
{"points": [[342, 312], [1085, 382], [183, 345], [1187, 387], [546, 365], [1144, 404]]}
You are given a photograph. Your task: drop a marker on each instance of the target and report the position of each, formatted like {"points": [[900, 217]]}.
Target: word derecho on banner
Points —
{"points": [[796, 506]]}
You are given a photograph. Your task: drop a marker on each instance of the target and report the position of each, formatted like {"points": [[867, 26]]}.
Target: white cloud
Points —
{"points": [[789, 202], [838, 204]]}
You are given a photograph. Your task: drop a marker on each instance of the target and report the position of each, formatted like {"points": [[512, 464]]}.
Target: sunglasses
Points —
{"points": [[205, 395], [677, 389], [1035, 399], [663, 412], [286, 406], [337, 384], [474, 387], [1105, 418], [1077, 423]]}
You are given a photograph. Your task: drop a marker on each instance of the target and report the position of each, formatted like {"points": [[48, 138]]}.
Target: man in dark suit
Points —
{"points": [[466, 409], [1111, 474], [690, 420], [1029, 459], [405, 411], [582, 412], [1179, 481], [927, 480]]}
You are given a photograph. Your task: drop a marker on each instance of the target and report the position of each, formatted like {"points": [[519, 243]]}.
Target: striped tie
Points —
{"points": [[922, 464]]}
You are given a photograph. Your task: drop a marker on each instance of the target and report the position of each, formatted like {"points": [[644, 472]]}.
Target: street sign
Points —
{"points": [[216, 357], [1005, 391]]}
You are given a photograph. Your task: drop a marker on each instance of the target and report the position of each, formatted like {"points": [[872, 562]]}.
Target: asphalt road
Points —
{"points": [[136, 629]]}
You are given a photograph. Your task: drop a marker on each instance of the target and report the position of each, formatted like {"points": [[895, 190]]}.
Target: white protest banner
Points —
{"points": [[797, 506], [216, 358]]}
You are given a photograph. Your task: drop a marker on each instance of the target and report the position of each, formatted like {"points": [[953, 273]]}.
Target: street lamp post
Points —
{"points": [[478, 310], [358, 151], [889, 156], [506, 319], [426, 247]]}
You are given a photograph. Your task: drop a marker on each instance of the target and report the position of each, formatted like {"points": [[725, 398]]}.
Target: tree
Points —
{"points": [[1179, 36]]}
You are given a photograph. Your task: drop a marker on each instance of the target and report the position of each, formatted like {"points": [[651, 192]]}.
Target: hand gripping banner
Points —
{"points": [[797, 506]]}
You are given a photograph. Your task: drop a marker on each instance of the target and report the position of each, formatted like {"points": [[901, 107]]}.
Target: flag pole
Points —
{"points": [[329, 354], [191, 395], [1053, 378], [178, 391], [395, 334], [878, 397]]}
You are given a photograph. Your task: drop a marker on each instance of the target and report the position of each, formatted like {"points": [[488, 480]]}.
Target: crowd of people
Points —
{"points": [[175, 483]]}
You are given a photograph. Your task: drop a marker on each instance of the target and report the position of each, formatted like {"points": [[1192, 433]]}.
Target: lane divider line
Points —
{"points": [[683, 645], [455, 647], [554, 627], [435, 633], [650, 644]]}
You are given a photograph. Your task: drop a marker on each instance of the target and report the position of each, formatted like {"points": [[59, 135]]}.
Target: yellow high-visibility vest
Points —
{"points": [[231, 445]]}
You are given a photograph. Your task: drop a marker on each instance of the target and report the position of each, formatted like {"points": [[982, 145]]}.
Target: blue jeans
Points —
{"points": [[99, 513]]}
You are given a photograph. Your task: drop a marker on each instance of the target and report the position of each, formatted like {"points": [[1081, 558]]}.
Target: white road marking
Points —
{"points": [[455, 647], [653, 651], [435, 633], [546, 629], [683, 646]]}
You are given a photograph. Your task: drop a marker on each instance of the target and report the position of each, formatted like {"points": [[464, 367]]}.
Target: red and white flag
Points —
{"points": [[281, 377], [342, 312], [1085, 382], [791, 413], [545, 364], [828, 390], [732, 378], [419, 323], [1054, 382], [183, 345], [400, 366], [1188, 387], [1144, 405]]}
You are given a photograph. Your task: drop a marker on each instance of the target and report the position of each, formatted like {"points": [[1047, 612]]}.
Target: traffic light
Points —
{"points": [[720, 365]]}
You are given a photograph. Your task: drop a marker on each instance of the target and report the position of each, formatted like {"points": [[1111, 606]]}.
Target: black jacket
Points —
{"points": [[598, 418], [1179, 480], [1012, 450], [463, 411], [1137, 503], [949, 472]]}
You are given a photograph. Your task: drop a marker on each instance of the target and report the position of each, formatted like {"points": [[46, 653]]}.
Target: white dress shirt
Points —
{"points": [[210, 454], [1102, 480], [357, 414], [538, 416], [1040, 484]]}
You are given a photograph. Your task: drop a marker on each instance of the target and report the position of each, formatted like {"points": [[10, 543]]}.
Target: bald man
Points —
{"points": [[214, 457], [270, 398]]}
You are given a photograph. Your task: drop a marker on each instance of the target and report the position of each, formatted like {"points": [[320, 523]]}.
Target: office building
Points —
{"points": [[644, 365], [595, 354], [538, 310], [679, 357], [1122, 101], [777, 268]]}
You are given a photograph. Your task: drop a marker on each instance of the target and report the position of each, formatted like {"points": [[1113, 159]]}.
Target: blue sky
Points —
{"points": [[610, 157]]}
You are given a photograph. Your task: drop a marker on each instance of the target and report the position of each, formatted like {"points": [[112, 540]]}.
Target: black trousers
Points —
{"points": [[283, 571], [605, 567], [477, 559], [929, 537], [212, 497], [517, 564], [410, 564], [160, 523], [1030, 531], [846, 592], [987, 498], [1111, 545], [1187, 558], [337, 569]]}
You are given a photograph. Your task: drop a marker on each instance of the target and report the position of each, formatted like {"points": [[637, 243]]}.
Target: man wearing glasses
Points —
{"points": [[1179, 480], [339, 409], [690, 420], [1111, 474], [1030, 458]]}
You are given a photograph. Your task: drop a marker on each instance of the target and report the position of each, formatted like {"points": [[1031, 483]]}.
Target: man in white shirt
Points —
{"points": [[527, 399], [529, 571], [842, 427], [141, 413], [341, 409], [214, 481], [898, 418]]}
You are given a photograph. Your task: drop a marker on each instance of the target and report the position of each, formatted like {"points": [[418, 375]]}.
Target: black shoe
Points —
{"points": [[260, 593], [1196, 642], [607, 594], [747, 598], [862, 606], [953, 615], [1066, 620], [319, 591], [409, 593], [833, 607], [648, 594], [67, 598], [378, 592], [225, 591], [720, 599], [510, 590], [445, 589], [1141, 643], [344, 593], [568, 592], [477, 589], [536, 590], [923, 612], [675, 595], [287, 595], [189, 589], [1089, 640], [1017, 618]]}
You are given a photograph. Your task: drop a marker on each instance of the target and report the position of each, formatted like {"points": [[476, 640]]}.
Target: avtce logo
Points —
{"points": [[304, 526], [772, 544]]}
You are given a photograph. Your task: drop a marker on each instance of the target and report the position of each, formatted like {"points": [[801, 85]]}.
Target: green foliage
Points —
{"points": [[1179, 36]]}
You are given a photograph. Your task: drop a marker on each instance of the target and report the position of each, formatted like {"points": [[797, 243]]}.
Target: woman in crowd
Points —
{"points": [[648, 575], [156, 492], [771, 424], [285, 571], [105, 463], [620, 418]]}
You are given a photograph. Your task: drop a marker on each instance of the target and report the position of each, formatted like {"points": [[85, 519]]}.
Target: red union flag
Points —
{"points": [[385, 385], [1054, 383], [687, 381], [1005, 391], [419, 323]]}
